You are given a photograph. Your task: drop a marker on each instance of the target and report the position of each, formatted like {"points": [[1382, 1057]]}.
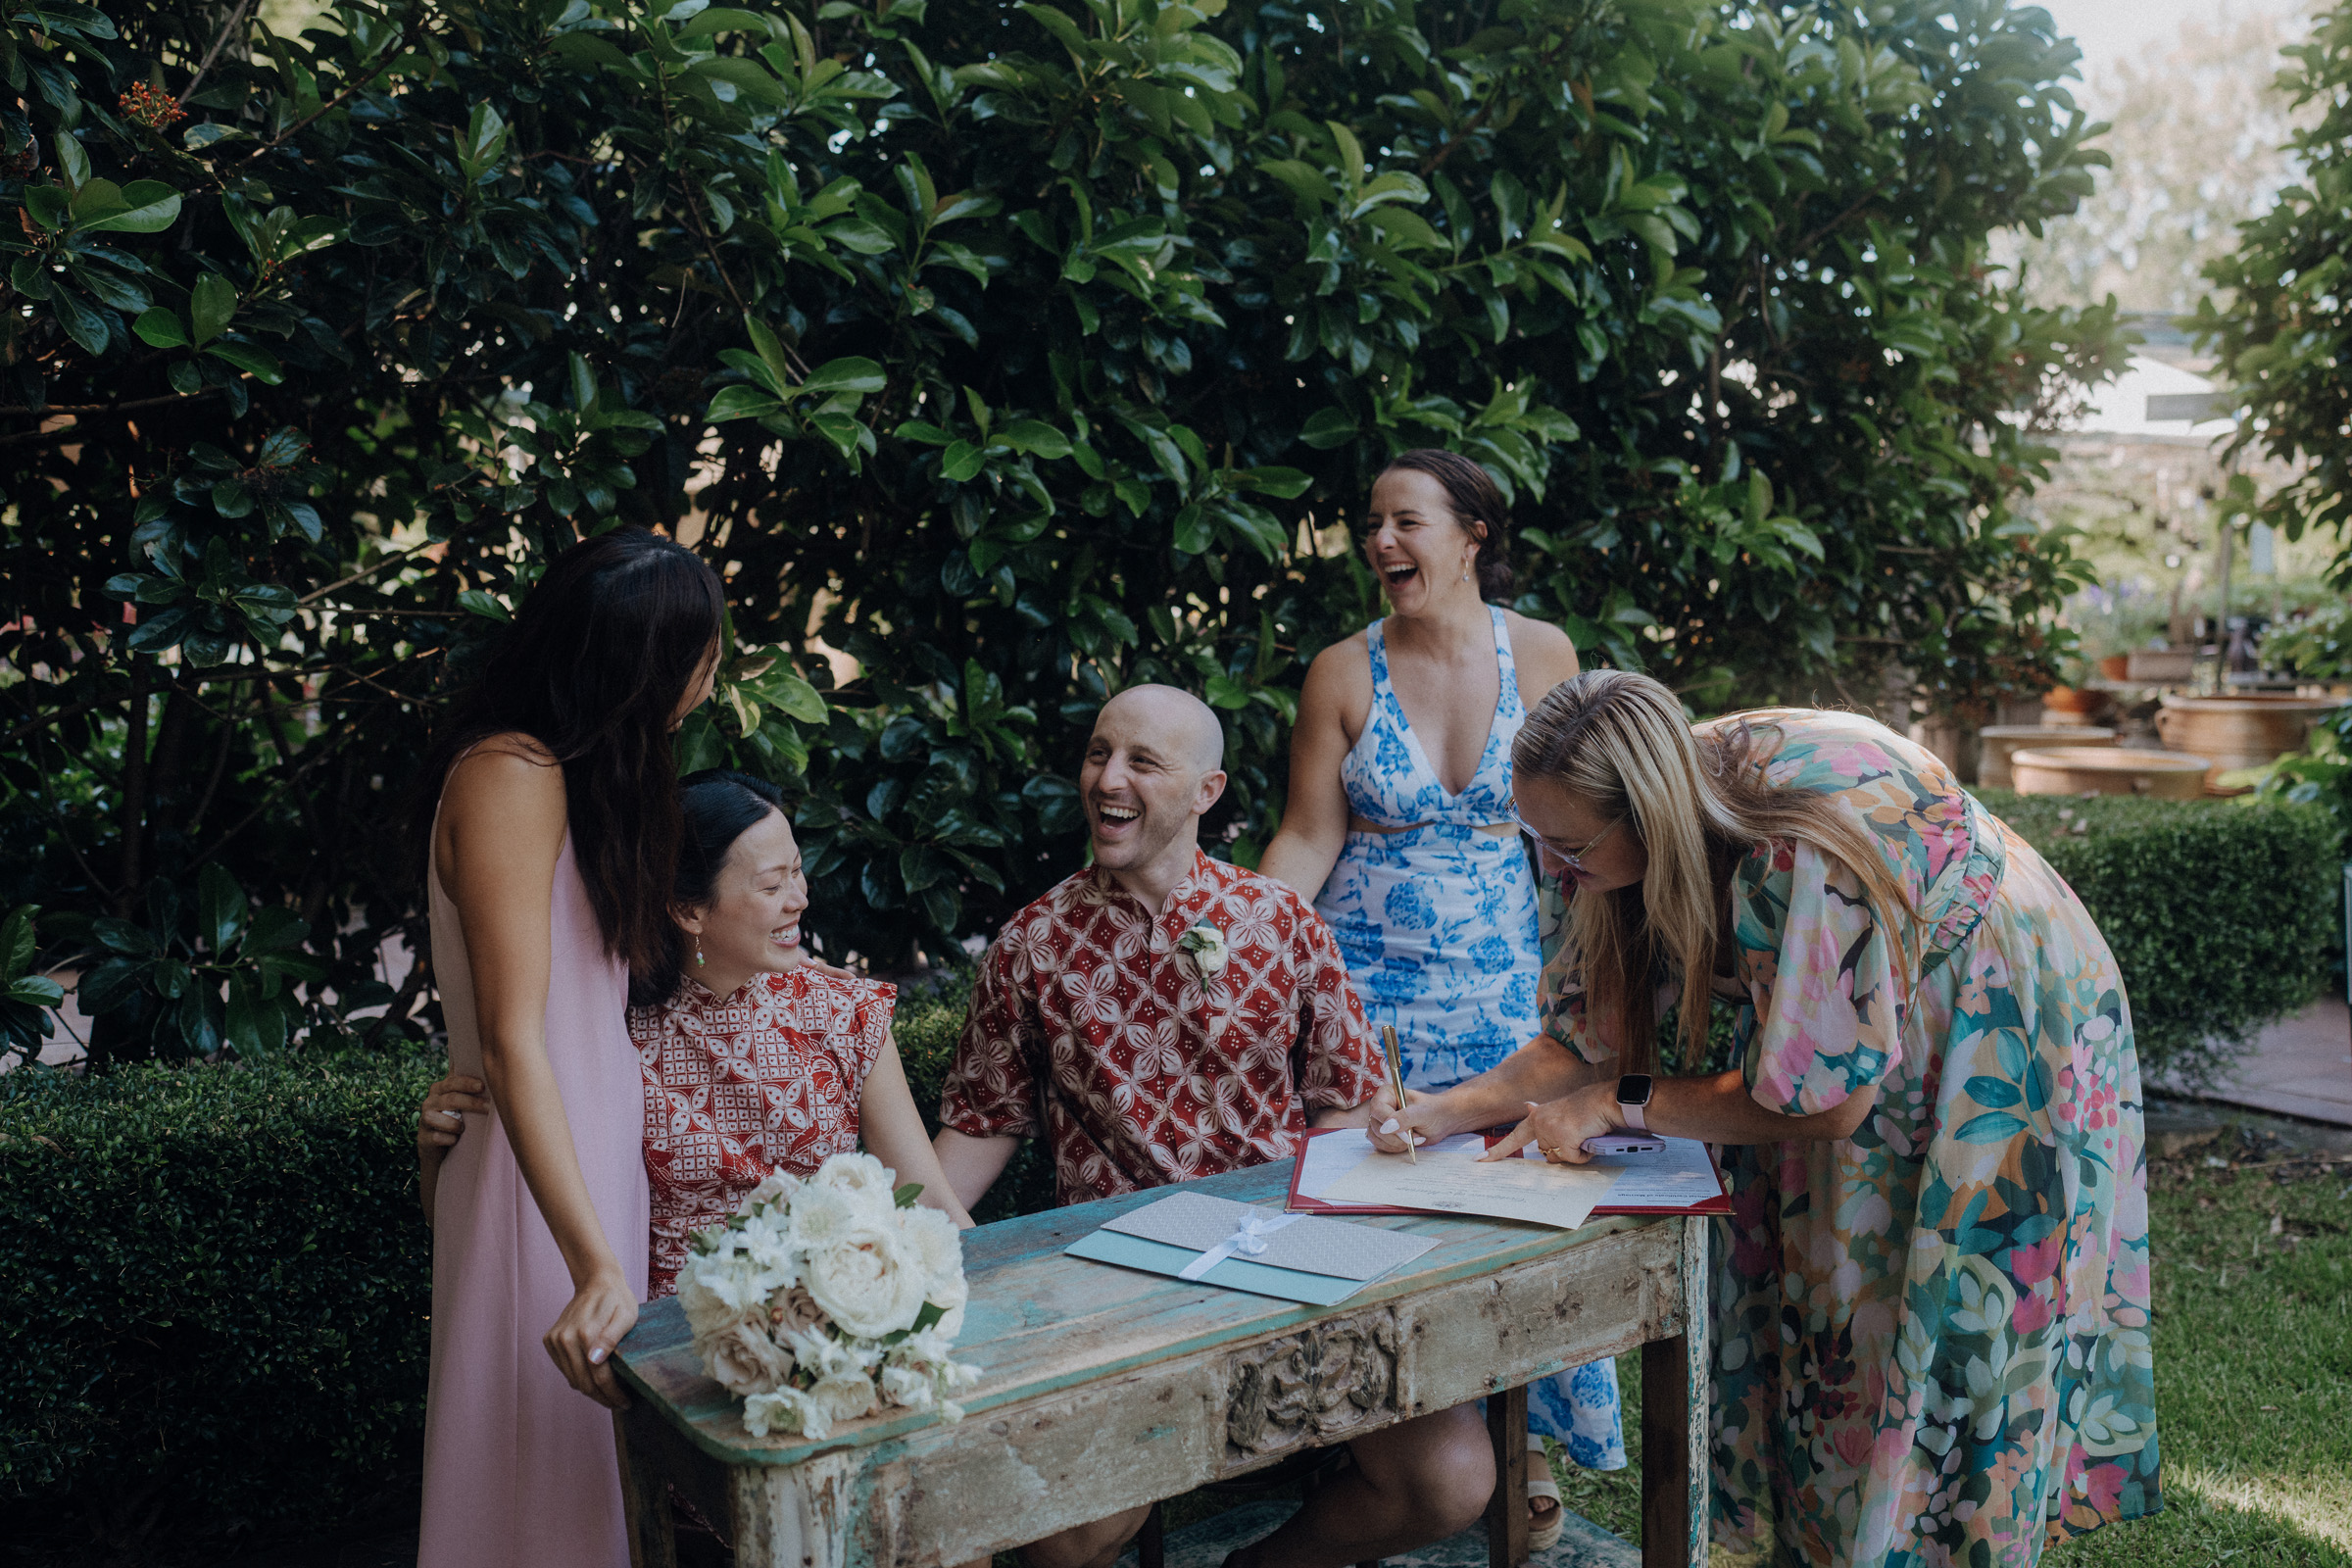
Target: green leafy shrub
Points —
{"points": [[213, 1292], [2220, 912], [927, 1027]]}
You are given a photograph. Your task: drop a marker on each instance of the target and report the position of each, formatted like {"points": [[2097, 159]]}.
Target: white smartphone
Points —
{"points": [[1621, 1143]]}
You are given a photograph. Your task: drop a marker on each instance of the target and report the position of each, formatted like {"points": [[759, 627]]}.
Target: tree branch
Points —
{"points": [[213, 53]]}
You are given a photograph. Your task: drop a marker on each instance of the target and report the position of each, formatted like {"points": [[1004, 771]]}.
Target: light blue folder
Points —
{"points": [[1158, 1258]]}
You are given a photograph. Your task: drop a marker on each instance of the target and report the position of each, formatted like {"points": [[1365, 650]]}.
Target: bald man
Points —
{"points": [[1160, 1064], [1173, 1016]]}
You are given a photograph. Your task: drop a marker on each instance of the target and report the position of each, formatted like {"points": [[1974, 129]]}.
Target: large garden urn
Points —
{"points": [[2240, 731], [1997, 743], [2107, 771]]}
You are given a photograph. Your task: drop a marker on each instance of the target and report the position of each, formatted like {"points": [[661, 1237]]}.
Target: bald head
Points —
{"points": [[1177, 723], [1154, 763]]}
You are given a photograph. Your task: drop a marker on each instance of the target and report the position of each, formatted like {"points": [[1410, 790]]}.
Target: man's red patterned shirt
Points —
{"points": [[1152, 1072], [737, 1088]]}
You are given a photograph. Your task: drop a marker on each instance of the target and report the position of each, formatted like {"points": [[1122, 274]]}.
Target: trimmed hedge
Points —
{"points": [[214, 1292], [2220, 912], [216, 1283]]}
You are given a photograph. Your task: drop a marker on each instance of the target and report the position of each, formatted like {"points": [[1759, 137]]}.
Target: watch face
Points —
{"points": [[1634, 1089]]}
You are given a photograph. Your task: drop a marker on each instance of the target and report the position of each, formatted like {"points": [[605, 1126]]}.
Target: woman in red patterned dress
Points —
{"points": [[756, 1059]]}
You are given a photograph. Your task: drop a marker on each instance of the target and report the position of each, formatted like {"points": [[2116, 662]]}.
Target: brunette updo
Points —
{"points": [[1477, 501], [719, 806]]}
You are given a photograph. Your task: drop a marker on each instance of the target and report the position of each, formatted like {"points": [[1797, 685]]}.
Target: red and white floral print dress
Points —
{"points": [[737, 1088]]}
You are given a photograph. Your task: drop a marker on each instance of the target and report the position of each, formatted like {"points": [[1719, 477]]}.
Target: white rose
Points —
{"points": [[795, 1311], [862, 1178], [706, 1311], [743, 1359], [785, 1409], [1207, 945], [869, 1281], [940, 1246], [843, 1397]]}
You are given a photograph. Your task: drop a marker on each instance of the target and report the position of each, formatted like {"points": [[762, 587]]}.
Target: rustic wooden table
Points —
{"points": [[1105, 1388]]}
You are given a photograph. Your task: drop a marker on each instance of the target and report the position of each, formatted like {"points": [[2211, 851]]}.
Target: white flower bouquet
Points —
{"points": [[822, 1299]]}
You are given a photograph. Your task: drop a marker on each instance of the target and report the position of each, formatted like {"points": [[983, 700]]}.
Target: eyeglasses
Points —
{"points": [[1570, 859]]}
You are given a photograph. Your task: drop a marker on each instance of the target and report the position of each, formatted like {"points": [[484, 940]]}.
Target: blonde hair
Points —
{"points": [[1619, 742]]}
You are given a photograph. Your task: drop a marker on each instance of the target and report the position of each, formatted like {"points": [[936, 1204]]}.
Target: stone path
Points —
{"points": [[2300, 1066]]}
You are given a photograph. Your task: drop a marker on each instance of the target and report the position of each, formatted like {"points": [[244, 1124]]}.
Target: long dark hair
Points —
{"points": [[1477, 501], [593, 669], [718, 806]]}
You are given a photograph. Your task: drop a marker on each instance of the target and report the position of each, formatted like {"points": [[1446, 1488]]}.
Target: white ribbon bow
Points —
{"points": [[1248, 1239]]}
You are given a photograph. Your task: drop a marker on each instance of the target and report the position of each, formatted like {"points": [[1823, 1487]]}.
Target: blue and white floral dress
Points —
{"points": [[1439, 926]]}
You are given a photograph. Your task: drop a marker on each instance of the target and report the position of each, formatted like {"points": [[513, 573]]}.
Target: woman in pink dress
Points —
{"points": [[552, 853]]}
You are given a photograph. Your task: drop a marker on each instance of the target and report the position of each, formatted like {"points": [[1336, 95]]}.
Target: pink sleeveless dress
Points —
{"points": [[520, 1470]]}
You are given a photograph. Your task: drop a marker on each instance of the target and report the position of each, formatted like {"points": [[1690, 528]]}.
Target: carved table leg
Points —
{"points": [[800, 1515], [644, 1500], [1675, 1394], [1506, 1509]]}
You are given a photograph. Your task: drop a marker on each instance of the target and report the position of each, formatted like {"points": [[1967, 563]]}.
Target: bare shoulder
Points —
{"points": [[1543, 652], [504, 797], [1340, 676]]}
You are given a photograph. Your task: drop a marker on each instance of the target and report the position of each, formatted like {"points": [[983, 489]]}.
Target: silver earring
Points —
{"points": [[1465, 568]]}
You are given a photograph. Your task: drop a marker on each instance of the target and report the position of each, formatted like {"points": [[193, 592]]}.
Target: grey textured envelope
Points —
{"points": [[1332, 1246]]}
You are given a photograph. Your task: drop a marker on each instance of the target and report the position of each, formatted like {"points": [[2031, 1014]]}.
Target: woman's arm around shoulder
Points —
{"points": [[1332, 711], [1544, 653]]}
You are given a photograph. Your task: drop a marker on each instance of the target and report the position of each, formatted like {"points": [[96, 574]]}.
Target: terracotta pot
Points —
{"points": [[2116, 666], [2101, 770], [2240, 731], [2072, 705], [2000, 740]]}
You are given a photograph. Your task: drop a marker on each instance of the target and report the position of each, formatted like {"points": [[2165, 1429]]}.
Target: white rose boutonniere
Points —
{"points": [[1204, 944]]}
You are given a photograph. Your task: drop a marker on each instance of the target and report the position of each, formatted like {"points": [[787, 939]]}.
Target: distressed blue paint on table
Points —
{"points": [[1105, 1388]]}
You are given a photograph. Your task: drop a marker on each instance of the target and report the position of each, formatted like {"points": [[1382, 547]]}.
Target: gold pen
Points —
{"points": [[1387, 1039]]}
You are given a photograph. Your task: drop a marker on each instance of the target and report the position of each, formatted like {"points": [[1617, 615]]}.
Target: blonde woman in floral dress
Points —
{"points": [[1931, 1300]]}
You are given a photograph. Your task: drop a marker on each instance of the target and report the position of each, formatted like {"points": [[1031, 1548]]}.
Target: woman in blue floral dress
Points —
{"points": [[1931, 1306], [1400, 827]]}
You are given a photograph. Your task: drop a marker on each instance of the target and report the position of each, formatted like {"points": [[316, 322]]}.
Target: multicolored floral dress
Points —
{"points": [[1932, 1338]]}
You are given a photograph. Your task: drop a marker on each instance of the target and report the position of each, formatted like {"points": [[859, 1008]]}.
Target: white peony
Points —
{"points": [[869, 1280], [939, 1246], [743, 1359], [862, 1178]]}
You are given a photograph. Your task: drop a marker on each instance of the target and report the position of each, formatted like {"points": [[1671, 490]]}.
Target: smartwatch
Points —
{"points": [[1633, 1094]]}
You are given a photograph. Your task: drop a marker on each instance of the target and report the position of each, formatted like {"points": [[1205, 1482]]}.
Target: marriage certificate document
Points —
{"points": [[1451, 1179]]}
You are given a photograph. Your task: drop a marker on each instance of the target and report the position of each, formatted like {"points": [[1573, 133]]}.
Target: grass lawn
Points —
{"points": [[2253, 1281]]}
